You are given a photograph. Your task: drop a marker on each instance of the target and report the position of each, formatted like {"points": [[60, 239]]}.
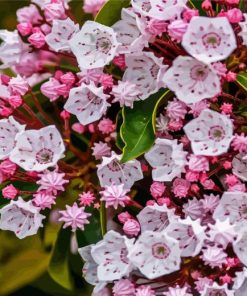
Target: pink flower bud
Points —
{"points": [[65, 115], [180, 187], [5, 79], [150, 202], [6, 112], [222, 13], [163, 201], [54, 10], [157, 189], [24, 28], [234, 15], [106, 81], [198, 163], [79, 128], [131, 227], [119, 61], [53, 89], [208, 184], [144, 167], [106, 126], [45, 28], [231, 76], [206, 5], [58, 74], [232, 2], [192, 176], [32, 174], [195, 188], [176, 29], [227, 165], [15, 101], [237, 187], [91, 128], [18, 85], [37, 39], [156, 27], [68, 78], [189, 13], [8, 167], [123, 217], [9, 192]]}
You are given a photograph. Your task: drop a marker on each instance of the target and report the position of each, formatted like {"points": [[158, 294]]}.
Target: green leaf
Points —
{"points": [[242, 80], [103, 218], [119, 121], [59, 263], [242, 5], [197, 4], [138, 128], [110, 13]]}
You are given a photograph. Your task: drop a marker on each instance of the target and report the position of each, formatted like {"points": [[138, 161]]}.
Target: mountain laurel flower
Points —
{"points": [[19, 85], [176, 29], [177, 291], [37, 39], [123, 287], [86, 198], [114, 196], [93, 6], [29, 14], [239, 143], [180, 187], [54, 10], [106, 126], [131, 227], [52, 181], [74, 217], [10, 192], [243, 32], [157, 189], [24, 28], [145, 291], [53, 89], [101, 149], [214, 256], [44, 199]]}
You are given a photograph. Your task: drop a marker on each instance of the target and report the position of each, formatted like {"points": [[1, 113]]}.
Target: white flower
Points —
{"points": [[11, 49], [94, 46], [128, 33], [190, 235], [21, 217], [167, 10], [240, 283], [214, 256], [210, 133], [36, 150], [239, 166], [209, 39], [146, 71], [155, 254], [243, 32], [141, 6], [111, 256], [112, 171], [87, 102], [240, 246], [232, 205], [217, 290], [191, 80], [167, 159], [9, 129], [155, 217], [62, 31], [162, 123], [115, 196], [222, 233]]}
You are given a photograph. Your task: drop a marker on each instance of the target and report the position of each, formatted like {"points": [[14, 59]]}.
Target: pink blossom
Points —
{"points": [[37, 39], [206, 5], [198, 107], [176, 29], [68, 78], [202, 282], [226, 279], [234, 15], [10, 192], [123, 217], [106, 81], [231, 76], [29, 14], [144, 291], [65, 115], [220, 68], [52, 181], [175, 125], [53, 89], [227, 165], [86, 198], [156, 27], [115, 196], [24, 28], [214, 256], [54, 10], [126, 93], [198, 163], [188, 14], [239, 143], [106, 126], [180, 187], [123, 287], [44, 199], [208, 184], [163, 201], [192, 176], [18, 85], [101, 149], [210, 202], [79, 128], [176, 110], [157, 189], [195, 188], [226, 108], [15, 101], [119, 61], [6, 112], [237, 187], [8, 168], [131, 227], [93, 6], [231, 180], [74, 217]]}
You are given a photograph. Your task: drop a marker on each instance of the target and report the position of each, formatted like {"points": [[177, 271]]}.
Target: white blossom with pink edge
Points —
{"points": [[111, 256], [87, 102], [167, 159], [239, 166], [128, 34], [114, 196], [36, 150], [9, 129], [21, 217], [94, 46], [190, 235], [62, 31], [167, 10], [217, 290], [146, 71], [192, 80], [243, 32], [155, 254], [232, 205], [142, 7], [210, 133], [240, 246], [209, 39], [240, 283], [111, 170], [155, 217], [90, 268]]}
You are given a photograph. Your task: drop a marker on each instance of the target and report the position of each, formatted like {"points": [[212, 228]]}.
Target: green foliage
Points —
{"points": [[197, 4], [110, 13], [138, 128], [242, 80]]}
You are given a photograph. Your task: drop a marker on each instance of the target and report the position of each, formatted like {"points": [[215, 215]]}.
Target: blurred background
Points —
{"points": [[25, 265]]}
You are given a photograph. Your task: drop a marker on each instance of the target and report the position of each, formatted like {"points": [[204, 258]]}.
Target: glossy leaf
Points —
{"points": [[110, 13], [242, 80], [138, 128], [59, 264], [119, 121]]}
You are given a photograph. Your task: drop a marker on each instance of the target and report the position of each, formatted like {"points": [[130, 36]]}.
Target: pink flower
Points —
{"points": [[93, 6], [131, 227], [156, 27], [176, 29], [79, 128], [163, 201], [210, 202], [8, 168], [226, 108], [24, 28], [231, 180], [188, 14], [106, 126], [52, 181], [214, 256], [86, 198], [226, 279], [176, 110], [175, 125], [220, 68], [54, 10], [37, 39], [101, 149], [202, 282], [144, 291], [198, 163], [114, 196], [227, 165], [68, 78], [237, 187], [119, 61], [208, 184], [44, 199], [180, 187], [74, 217], [10, 192], [29, 14], [239, 143], [126, 93], [15, 101], [206, 5], [123, 287], [106, 81], [53, 89], [231, 76], [234, 15], [123, 217], [157, 189], [192, 176], [18, 85], [198, 107]]}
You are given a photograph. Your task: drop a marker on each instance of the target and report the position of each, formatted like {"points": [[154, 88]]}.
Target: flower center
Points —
{"points": [[44, 156], [216, 133], [103, 44], [211, 40], [199, 72], [114, 166], [160, 251]]}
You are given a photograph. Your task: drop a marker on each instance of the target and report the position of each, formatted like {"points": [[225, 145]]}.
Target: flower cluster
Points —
{"points": [[171, 196]]}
